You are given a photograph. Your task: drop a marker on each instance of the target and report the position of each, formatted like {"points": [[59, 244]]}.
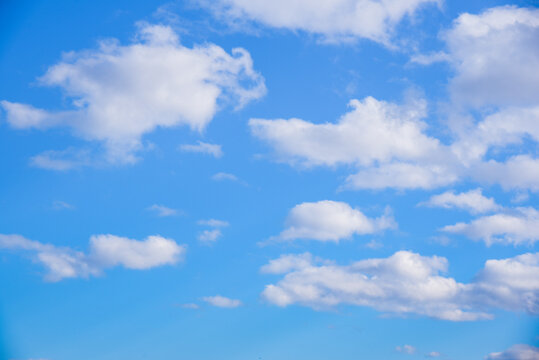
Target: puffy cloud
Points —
{"points": [[472, 201], [389, 145], [407, 349], [106, 251], [373, 131], [516, 352], [334, 20], [222, 302], [407, 282], [163, 211], [203, 148], [330, 221], [119, 93], [517, 172], [517, 226], [482, 48]]}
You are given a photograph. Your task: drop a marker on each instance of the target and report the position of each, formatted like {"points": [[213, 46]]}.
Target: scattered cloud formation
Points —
{"points": [[121, 92], [407, 349], [407, 283], [330, 221], [106, 251], [472, 201], [163, 211], [341, 20], [514, 226], [203, 148], [222, 302], [516, 352]]}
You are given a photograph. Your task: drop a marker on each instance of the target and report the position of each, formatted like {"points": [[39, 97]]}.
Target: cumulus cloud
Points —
{"points": [[407, 283], [105, 251], [483, 49], [121, 92], [516, 352], [334, 20], [203, 148], [514, 226], [373, 131], [163, 211], [222, 302], [472, 201], [389, 145], [330, 221]]}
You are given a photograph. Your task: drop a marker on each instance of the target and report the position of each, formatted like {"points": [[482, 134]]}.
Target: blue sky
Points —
{"points": [[269, 180]]}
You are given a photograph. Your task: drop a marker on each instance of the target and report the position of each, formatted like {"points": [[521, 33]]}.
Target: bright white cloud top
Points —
{"points": [[328, 220], [106, 251], [335, 20], [119, 93], [407, 283], [515, 226]]}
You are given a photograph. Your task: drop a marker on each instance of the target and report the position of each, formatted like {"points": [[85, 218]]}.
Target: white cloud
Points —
{"points": [[335, 20], [330, 221], [210, 236], [61, 160], [213, 223], [517, 172], [203, 148], [223, 176], [119, 93], [402, 175], [483, 49], [408, 283], [373, 131], [516, 352], [105, 251], [407, 349], [191, 306], [516, 226], [434, 354], [287, 263], [427, 59], [221, 301], [472, 201], [163, 211]]}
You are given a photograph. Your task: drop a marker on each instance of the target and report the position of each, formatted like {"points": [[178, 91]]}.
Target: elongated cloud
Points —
{"points": [[514, 226], [121, 92], [516, 352], [407, 283], [221, 301], [335, 20], [330, 221], [106, 251], [472, 201]]}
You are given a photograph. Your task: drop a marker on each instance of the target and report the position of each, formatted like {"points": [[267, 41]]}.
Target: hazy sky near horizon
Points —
{"points": [[232, 179]]}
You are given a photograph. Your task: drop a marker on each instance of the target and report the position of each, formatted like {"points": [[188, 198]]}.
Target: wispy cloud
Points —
{"points": [[203, 148], [163, 211], [222, 302]]}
